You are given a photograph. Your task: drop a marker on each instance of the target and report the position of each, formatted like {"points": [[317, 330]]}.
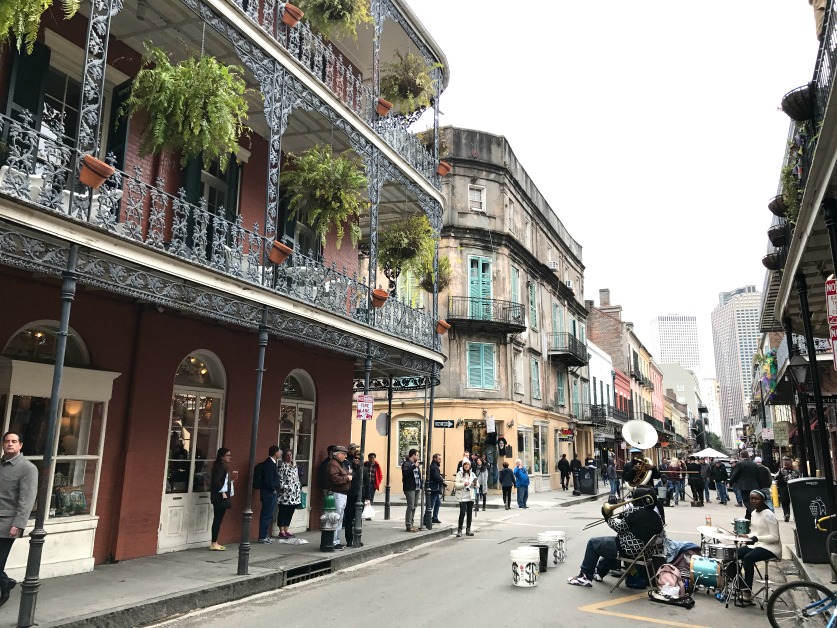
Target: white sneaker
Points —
{"points": [[580, 581], [597, 577]]}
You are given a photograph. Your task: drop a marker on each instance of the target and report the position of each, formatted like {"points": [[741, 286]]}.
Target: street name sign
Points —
{"points": [[443, 424]]}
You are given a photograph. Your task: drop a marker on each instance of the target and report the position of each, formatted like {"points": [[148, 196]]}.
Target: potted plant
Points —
{"points": [[777, 206], [196, 107], [379, 297], [291, 15], [772, 261], [798, 103], [790, 192], [442, 327], [383, 107], [94, 172], [443, 169], [427, 139], [279, 252], [21, 19], [407, 83], [334, 19], [777, 234], [427, 276], [327, 191], [404, 244]]}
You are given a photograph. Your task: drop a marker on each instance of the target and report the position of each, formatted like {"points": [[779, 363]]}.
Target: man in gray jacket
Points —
{"points": [[18, 489]]}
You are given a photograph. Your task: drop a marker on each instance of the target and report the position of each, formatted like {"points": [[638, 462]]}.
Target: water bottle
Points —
{"points": [[709, 520]]}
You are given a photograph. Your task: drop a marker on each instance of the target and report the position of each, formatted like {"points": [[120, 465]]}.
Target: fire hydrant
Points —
{"points": [[328, 523]]}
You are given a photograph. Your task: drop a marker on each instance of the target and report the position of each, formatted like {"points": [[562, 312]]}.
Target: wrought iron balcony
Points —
{"points": [[565, 348], [41, 170], [619, 415], [489, 315], [582, 413], [599, 413], [656, 423]]}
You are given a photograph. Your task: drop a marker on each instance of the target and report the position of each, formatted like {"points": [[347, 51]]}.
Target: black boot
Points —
{"points": [[458, 532], [6, 591], [468, 532]]}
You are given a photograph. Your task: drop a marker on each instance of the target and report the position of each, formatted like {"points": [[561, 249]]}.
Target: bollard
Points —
{"points": [[328, 523]]}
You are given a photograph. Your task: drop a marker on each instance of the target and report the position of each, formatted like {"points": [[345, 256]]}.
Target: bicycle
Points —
{"points": [[804, 602]]}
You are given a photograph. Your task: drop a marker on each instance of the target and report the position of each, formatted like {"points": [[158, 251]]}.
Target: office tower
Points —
{"points": [[674, 340]]}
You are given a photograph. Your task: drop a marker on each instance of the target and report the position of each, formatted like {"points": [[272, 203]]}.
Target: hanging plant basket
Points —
{"points": [[772, 261], [336, 19], [383, 107], [777, 206], [442, 327], [798, 104], [379, 297], [443, 169], [279, 252], [778, 235], [405, 244], [94, 172], [408, 82], [292, 15], [443, 278], [20, 20]]}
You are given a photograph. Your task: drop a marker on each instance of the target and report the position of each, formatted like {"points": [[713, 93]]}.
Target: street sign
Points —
{"points": [[809, 399], [364, 408], [443, 424], [831, 300], [780, 433], [565, 439]]}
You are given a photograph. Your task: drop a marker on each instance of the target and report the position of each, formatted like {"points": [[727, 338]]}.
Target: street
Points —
{"points": [[469, 579]]}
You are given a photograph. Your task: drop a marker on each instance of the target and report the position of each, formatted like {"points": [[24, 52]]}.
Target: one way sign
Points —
{"points": [[443, 424]]}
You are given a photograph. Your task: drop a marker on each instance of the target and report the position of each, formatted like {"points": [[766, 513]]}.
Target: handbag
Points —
{"points": [[225, 503]]}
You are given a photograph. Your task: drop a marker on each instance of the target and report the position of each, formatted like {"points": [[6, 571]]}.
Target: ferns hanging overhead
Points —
{"points": [[336, 18], [20, 20], [407, 82]]}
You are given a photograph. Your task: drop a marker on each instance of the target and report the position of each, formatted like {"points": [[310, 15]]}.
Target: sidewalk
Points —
{"points": [[146, 590], [544, 499]]}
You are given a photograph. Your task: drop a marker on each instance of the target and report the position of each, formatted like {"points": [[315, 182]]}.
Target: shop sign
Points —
{"points": [[598, 438], [780, 433], [490, 425], [364, 408], [767, 434], [565, 439]]}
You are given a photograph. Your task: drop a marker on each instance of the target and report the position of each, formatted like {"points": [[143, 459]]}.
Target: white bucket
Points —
{"points": [[525, 566], [558, 542]]}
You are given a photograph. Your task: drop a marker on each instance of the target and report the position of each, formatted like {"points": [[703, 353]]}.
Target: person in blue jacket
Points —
{"points": [[521, 481]]}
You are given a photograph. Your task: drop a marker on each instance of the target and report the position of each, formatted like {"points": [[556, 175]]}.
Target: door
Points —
{"points": [[479, 288], [194, 438], [296, 433], [524, 448]]}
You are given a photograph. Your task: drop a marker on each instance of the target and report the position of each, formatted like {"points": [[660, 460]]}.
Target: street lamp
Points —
{"points": [[799, 367]]}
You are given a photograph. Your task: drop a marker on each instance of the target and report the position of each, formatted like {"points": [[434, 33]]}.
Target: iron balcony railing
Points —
{"points": [[334, 71], [822, 345], [566, 345], [619, 415], [599, 413], [41, 170], [490, 311], [656, 423]]}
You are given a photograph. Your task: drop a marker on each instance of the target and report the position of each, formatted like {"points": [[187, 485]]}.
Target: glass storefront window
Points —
{"points": [[541, 451], [409, 437], [193, 442]]}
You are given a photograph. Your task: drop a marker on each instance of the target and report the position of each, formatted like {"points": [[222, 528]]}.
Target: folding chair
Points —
{"points": [[643, 558]]}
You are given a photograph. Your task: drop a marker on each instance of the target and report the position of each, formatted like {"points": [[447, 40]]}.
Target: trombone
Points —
{"points": [[609, 509]]}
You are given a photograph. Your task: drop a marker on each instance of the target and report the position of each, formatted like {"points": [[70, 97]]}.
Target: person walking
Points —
{"points": [[521, 481], [481, 471], [564, 467], [465, 484], [745, 477], [695, 481], [611, 478], [575, 467], [411, 483], [289, 494], [705, 468], [359, 488], [507, 483], [765, 482], [267, 492], [18, 490], [222, 489], [436, 484], [376, 476], [719, 474], [788, 472], [733, 485], [338, 481]]}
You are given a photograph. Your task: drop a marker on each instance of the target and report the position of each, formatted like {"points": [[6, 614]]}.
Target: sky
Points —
{"points": [[651, 127]]}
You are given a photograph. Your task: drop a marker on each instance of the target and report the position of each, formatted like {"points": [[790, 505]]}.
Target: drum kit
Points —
{"points": [[719, 550]]}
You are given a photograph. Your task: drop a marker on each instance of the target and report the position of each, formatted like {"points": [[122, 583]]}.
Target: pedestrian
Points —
{"points": [[720, 475], [564, 467], [695, 481], [411, 483], [338, 481], [358, 489], [322, 470], [481, 471], [267, 492], [765, 482], [222, 488], [745, 477], [705, 468], [466, 457], [18, 490], [611, 478], [376, 476], [786, 473], [589, 461], [575, 467], [466, 483], [521, 481], [436, 484], [289, 497], [674, 472], [507, 483]]}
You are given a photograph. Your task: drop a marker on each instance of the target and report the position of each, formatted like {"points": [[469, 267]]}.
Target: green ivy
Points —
{"points": [[327, 191], [407, 244], [20, 20], [335, 19], [196, 107], [407, 82]]}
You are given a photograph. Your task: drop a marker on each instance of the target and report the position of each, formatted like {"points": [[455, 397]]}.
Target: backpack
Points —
{"points": [[669, 581], [258, 477]]}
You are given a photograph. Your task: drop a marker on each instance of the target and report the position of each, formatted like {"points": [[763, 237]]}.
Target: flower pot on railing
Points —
{"points": [[279, 252], [383, 107], [443, 168], [442, 327], [777, 206], [772, 261], [94, 172], [292, 15], [379, 297], [799, 103], [778, 235]]}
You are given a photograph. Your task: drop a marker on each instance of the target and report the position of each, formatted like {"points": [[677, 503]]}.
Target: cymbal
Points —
{"points": [[711, 531]]}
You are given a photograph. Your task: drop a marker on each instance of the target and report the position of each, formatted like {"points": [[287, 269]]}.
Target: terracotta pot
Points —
{"points": [[443, 168], [442, 327], [292, 15], [94, 172], [383, 107], [379, 297], [279, 252]]}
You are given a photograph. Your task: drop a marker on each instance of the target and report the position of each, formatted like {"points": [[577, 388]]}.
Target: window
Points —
{"points": [[533, 305], [480, 365], [536, 379], [562, 400], [511, 217], [518, 372], [408, 291], [541, 449], [476, 198], [515, 284]]}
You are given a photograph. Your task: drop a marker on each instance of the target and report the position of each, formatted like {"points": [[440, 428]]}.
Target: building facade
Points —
{"points": [[711, 396], [674, 338]]}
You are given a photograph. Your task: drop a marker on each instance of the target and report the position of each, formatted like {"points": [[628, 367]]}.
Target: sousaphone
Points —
{"points": [[640, 435]]}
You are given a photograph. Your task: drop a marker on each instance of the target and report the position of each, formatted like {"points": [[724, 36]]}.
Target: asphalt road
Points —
{"points": [[469, 580]]}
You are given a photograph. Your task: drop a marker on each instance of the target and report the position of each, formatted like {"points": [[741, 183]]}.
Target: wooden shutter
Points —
{"points": [[474, 365], [488, 366], [536, 379], [515, 285], [562, 400]]}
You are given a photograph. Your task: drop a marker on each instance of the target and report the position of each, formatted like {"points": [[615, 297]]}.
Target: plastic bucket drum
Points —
{"points": [[543, 555], [525, 566], [559, 544]]}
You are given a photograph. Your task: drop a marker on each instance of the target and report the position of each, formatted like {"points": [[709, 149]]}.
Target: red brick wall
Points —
{"points": [[253, 190], [607, 332]]}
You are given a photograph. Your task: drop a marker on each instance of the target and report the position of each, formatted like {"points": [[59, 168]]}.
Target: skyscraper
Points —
{"points": [[674, 340], [735, 334]]}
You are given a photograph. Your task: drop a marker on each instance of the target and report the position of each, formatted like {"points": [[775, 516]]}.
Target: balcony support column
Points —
{"points": [[829, 209], [802, 429]]}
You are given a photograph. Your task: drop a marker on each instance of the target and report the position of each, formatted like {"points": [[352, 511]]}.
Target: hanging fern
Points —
{"points": [[327, 191], [196, 107], [20, 20], [407, 82], [444, 275], [335, 19], [405, 244]]}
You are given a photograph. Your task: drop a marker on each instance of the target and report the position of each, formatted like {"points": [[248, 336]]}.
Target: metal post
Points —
{"points": [[357, 526], [247, 515], [800, 410], [389, 444], [32, 583], [825, 454], [428, 505]]}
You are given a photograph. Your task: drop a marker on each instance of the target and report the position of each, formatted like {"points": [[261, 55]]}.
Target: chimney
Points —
{"points": [[589, 304], [604, 297]]}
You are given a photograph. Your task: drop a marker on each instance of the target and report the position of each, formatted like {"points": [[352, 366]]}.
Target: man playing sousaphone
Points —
{"points": [[639, 471]]}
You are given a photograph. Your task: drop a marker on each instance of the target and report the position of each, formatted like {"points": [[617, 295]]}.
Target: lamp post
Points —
{"points": [[802, 443], [799, 371]]}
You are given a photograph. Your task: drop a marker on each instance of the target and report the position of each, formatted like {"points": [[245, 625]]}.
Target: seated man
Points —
{"points": [[633, 528], [764, 537]]}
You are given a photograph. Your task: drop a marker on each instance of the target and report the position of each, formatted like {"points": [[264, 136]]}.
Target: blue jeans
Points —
{"points": [[723, 496], [706, 495], [522, 496], [600, 547], [614, 487], [436, 500], [675, 484], [266, 515], [738, 499]]}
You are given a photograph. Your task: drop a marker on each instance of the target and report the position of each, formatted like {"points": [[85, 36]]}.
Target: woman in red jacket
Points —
{"points": [[375, 476]]}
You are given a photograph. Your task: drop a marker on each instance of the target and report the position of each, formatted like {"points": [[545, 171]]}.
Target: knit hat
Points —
{"points": [[757, 459]]}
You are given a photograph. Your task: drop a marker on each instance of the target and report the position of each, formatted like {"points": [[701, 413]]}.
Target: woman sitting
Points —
{"points": [[764, 536]]}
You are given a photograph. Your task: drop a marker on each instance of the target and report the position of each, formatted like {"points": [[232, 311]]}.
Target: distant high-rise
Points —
{"points": [[674, 340], [735, 334]]}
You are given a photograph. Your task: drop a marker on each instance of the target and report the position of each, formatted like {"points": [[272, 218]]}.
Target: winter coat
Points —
{"points": [[521, 478], [506, 478], [482, 479], [465, 486]]}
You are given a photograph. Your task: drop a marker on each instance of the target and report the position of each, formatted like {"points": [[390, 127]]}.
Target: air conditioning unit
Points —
{"points": [[518, 388], [552, 264], [570, 284]]}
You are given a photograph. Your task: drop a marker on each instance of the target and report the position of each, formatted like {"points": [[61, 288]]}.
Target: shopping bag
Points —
{"points": [[368, 512]]}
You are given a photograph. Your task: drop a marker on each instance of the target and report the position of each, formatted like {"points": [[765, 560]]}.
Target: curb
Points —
{"points": [[238, 587]]}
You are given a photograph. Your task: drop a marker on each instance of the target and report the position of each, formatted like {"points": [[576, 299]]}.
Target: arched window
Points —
{"points": [[36, 341]]}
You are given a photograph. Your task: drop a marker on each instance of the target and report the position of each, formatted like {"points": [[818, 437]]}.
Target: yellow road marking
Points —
{"points": [[598, 608]]}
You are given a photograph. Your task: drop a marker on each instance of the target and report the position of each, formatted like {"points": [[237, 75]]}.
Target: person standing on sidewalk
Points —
{"points": [[338, 481], [745, 478], [376, 476], [610, 472], [267, 492], [18, 490], [674, 471], [719, 474], [289, 492], [360, 486], [705, 470], [411, 483], [437, 485], [481, 471], [466, 483], [521, 481], [507, 482], [222, 489], [786, 473], [575, 467], [564, 467]]}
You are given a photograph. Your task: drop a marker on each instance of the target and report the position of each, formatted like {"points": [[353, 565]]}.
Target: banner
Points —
{"points": [[489, 424]]}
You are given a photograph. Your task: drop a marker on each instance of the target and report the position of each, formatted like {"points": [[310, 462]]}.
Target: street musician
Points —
{"points": [[634, 528]]}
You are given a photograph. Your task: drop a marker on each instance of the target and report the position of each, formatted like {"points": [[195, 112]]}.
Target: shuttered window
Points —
{"points": [[515, 284], [480, 365], [536, 379], [562, 383], [533, 306]]}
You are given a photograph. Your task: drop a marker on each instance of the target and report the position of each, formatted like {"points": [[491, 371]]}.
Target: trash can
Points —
{"points": [[588, 480], [809, 501]]}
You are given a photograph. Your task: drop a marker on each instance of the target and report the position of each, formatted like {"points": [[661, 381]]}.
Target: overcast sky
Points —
{"points": [[651, 127]]}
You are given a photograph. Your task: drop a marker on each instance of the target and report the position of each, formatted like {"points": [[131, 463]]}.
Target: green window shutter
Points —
{"points": [[560, 329], [515, 285], [536, 379], [474, 365], [533, 306], [488, 366], [562, 400]]}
